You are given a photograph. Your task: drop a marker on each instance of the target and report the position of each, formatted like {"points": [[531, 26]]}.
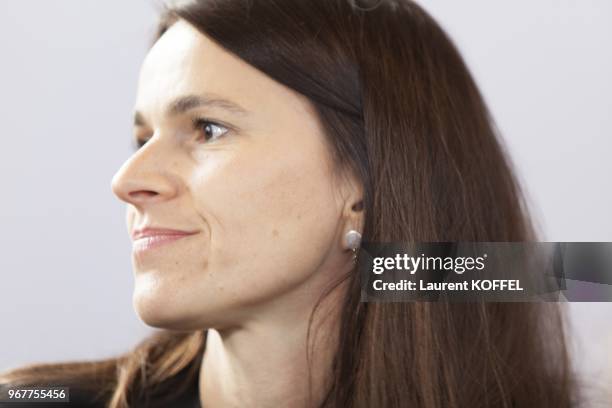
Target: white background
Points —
{"points": [[68, 73]]}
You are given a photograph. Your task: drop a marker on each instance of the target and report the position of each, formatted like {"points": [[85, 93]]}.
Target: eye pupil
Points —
{"points": [[208, 131]]}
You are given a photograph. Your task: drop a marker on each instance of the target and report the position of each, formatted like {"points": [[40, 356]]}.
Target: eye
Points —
{"points": [[209, 130]]}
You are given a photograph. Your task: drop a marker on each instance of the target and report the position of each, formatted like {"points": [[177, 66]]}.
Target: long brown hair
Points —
{"points": [[402, 112]]}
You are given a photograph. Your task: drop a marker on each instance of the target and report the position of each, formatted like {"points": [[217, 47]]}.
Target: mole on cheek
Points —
{"points": [[274, 233]]}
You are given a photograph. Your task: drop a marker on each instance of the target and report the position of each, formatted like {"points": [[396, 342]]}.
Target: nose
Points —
{"points": [[144, 177]]}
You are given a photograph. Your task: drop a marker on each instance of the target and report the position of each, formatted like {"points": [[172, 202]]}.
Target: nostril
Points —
{"points": [[142, 194]]}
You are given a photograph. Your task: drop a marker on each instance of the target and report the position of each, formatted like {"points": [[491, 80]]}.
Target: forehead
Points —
{"points": [[185, 61], [181, 61]]}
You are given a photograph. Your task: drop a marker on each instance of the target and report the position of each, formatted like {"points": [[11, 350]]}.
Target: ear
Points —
{"points": [[352, 208]]}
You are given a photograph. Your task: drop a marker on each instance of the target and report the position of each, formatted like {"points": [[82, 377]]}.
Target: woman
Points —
{"points": [[274, 135]]}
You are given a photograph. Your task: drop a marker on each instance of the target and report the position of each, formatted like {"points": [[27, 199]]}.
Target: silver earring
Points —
{"points": [[353, 240]]}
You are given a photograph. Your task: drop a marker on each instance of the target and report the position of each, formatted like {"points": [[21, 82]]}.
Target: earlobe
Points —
{"points": [[353, 219], [353, 215], [353, 226]]}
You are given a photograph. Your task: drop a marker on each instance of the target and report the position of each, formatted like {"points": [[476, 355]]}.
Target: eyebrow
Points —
{"points": [[186, 103]]}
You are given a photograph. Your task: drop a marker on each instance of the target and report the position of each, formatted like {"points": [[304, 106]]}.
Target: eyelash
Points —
{"points": [[198, 124]]}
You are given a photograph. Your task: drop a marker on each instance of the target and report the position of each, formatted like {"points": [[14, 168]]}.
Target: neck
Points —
{"points": [[263, 363]]}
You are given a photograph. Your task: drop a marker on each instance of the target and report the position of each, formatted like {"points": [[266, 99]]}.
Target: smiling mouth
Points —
{"points": [[150, 242]]}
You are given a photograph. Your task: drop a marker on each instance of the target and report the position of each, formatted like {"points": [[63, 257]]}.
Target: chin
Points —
{"points": [[157, 307], [153, 311], [166, 311], [164, 318]]}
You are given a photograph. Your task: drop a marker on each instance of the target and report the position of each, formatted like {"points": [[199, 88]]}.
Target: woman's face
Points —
{"points": [[256, 187]]}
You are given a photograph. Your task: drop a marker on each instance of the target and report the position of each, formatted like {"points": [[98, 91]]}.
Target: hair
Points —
{"points": [[402, 112]]}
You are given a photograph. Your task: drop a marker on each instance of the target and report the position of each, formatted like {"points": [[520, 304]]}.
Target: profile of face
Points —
{"points": [[241, 162]]}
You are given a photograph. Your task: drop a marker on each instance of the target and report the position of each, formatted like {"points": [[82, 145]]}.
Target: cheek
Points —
{"points": [[272, 221]]}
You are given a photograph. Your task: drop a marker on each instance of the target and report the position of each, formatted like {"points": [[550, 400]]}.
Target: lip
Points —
{"points": [[149, 238], [155, 231]]}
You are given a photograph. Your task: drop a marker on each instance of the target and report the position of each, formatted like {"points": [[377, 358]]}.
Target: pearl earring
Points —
{"points": [[352, 240]]}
